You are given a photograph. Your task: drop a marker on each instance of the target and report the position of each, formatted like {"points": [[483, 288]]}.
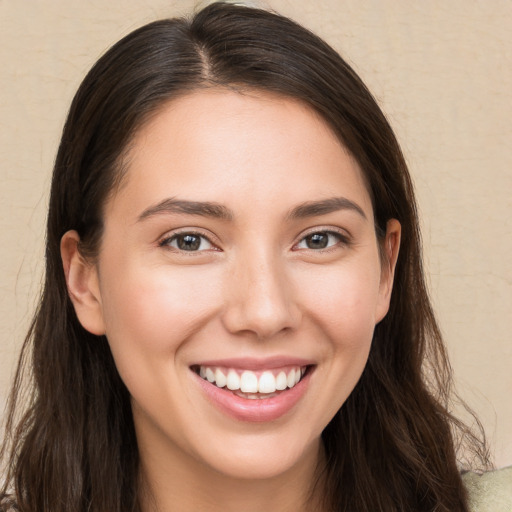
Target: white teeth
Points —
{"points": [[290, 379], [281, 381], [267, 383], [249, 383], [220, 378], [233, 380], [210, 375]]}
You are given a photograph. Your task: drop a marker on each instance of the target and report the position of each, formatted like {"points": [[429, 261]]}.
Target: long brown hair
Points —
{"points": [[73, 449]]}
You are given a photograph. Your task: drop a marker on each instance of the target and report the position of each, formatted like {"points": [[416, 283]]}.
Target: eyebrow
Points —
{"points": [[202, 208], [323, 207], [219, 211]]}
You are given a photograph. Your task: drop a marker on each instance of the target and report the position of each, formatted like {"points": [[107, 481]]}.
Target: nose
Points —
{"points": [[260, 298]]}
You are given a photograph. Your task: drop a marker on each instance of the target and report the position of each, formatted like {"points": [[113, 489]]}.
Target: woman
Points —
{"points": [[234, 313]]}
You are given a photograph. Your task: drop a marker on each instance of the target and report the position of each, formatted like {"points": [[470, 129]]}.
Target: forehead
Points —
{"points": [[233, 143]]}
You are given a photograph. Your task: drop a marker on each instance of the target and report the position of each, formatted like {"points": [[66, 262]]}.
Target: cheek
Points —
{"points": [[344, 302], [341, 307], [150, 312]]}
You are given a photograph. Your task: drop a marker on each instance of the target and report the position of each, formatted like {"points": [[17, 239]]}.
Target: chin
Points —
{"points": [[260, 457]]}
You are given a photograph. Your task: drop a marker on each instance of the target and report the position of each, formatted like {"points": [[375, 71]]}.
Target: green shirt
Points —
{"points": [[490, 492]]}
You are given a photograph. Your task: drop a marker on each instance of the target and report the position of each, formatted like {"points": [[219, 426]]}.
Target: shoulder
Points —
{"points": [[490, 492]]}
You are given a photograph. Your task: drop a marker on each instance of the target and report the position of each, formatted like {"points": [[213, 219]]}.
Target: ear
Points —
{"points": [[389, 255], [83, 284]]}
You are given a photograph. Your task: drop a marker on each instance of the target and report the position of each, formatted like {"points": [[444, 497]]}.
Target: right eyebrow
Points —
{"points": [[201, 208]]}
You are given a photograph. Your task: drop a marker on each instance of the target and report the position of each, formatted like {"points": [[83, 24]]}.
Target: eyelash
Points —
{"points": [[342, 239], [167, 241]]}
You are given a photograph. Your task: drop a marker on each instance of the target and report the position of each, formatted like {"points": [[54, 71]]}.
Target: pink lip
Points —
{"points": [[258, 410], [255, 364]]}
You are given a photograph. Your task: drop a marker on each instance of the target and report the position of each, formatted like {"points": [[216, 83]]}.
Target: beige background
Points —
{"points": [[440, 69]]}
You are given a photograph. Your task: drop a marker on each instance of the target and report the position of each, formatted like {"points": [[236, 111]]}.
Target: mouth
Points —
{"points": [[253, 392], [253, 385]]}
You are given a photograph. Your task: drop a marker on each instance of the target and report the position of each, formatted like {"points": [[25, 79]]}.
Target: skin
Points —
{"points": [[253, 289]]}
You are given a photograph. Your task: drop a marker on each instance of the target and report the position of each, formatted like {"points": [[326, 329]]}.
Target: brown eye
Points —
{"points": [[320, 240], [190, 242]]}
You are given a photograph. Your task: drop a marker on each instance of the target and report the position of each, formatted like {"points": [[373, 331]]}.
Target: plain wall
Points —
{"points": [[440, 70]]}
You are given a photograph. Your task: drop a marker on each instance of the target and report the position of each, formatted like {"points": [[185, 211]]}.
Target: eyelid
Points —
{"points": [[344, 236], [169, 235]]}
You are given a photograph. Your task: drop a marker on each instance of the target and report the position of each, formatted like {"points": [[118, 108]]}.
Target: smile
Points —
{"points": [[251, 384], [254, 390]]}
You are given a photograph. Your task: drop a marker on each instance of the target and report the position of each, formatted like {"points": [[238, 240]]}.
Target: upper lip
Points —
{"points": [[255, 364]]}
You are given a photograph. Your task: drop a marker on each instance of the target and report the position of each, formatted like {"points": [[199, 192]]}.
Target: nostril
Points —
{"points": [[261, 320], [259, 299]]}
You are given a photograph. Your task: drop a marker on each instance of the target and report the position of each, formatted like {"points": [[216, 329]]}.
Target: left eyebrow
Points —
{"points": [[323, 207], [201, 208]]}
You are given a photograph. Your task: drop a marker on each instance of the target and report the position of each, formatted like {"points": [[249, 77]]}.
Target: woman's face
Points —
{"points": [[239, 251]]}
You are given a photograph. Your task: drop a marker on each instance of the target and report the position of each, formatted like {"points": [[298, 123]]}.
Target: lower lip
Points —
{"points": [[254, 410]]}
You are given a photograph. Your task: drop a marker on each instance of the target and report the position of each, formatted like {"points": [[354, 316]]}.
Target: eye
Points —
{"points": [[190, 242], [321, 240]]}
